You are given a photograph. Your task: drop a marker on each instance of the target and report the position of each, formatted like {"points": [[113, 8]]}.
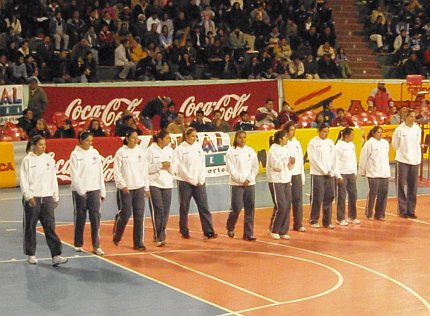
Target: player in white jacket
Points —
{"points": [[159, 158], [242, 164], [297, 176], [375, 165], [279, 163], [88, 190], [324, 172], [38, 182], [190, 171], [132, 183], [407, 143], [347, 164]]}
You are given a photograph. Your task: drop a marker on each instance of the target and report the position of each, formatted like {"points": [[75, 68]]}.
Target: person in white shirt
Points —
{"points": [[190, 171], [324, 171], [242, 165], [132, 183], [375, 165], [347, 164], [407, 143], [297, 176], [88, 190], [159, 157], [123, 61], [279, 163], [38, 182]]}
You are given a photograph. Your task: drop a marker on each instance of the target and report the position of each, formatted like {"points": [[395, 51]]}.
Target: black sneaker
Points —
{"points": [[403, 215], [249, 238], [186, 236], [230, 233], [140, 248], [413, 216], [210, 236]]}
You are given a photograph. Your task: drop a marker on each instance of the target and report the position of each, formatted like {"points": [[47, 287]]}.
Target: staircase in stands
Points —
{"points": [[350, 36]]}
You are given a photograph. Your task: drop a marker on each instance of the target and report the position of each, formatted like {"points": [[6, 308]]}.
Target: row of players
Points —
{"points": [[150, 174]]}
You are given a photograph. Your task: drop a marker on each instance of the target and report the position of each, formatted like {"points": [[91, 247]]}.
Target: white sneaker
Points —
{"points": [[330, 226], [354, 221], [286, 237], [315, 225], [57, 260], [342, 223], [78, 249], [31, 259], [274, 235], [99, 252], [301, 229]]}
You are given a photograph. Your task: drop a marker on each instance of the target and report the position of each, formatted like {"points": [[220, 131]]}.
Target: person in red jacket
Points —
{"points": [[341, 119], [380, 99]]}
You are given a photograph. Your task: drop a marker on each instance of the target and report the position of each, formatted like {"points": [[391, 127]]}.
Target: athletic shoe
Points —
{"points": [[404, 215], [301, 229], [382, 219], [57, 260], [274, 235], [99, 252], [342, 223], [413, 216], [230, 233], [210, 236], [31, 259], [355, 221], [329, 226], [249, 238], [161, 243], [186, 236], [315, 225], [286, 237], [78, 249], [370, 218], [139, 248]]}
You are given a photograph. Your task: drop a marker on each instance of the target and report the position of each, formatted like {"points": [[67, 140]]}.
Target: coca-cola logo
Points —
{"points": [[108, 113], [63, 168], [230, 106]]}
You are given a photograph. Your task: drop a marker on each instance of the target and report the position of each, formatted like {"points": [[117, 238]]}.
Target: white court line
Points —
{"points": [[395, 215], [44, 259], [216, 279]]}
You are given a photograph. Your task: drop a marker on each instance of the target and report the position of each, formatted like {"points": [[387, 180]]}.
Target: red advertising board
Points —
{"points": [[107, 103]]}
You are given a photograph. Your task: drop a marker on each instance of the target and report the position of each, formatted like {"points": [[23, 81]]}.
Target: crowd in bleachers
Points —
{"points": [[64, 41], [402, 28]]}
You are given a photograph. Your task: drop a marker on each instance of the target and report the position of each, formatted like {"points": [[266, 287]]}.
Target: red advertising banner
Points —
{"points": [[107, 103]]}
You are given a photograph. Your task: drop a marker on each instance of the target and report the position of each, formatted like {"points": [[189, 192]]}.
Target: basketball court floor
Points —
{"points": [[375, 268]]}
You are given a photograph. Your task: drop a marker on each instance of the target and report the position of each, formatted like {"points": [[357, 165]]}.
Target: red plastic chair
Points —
{"points": [[5, 138], [58, 119], [52, 128], [13, 133]]}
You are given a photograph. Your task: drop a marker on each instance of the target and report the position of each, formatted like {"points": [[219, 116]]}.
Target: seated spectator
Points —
{"points": [[199, 123], [168, 116], [5, 70], [162, 69], [326, 49], [95, 128], [58, 30], [287, 114], [120, 123], [341, 119], [80, 50], [66, 131], [342, 63], [296, 69], [402, 55], [253, 69], [129, 123], [123, 61], [166, 39], [93, 43], [401, 39], [237, 43], [245, 123], [268, 73], [91, 63], [394, 116], [412, 66], [41, 129], [311, 67], [228, 68], [328, 112], [266, 115], [377, 33], [218, 124], [318, 120], [283, 50], [122, 34], [26, 122], [61, 68], [19, 71], [327, 68], [76, 28], [24, 49], [177, 126], [186, 68], [107, 47]]}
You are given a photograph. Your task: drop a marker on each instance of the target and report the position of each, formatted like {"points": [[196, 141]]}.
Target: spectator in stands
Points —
{"points": [[327, 68], [200, 124], [218, 124], [380, 99], [312, 38], [341, 119], [343, 63], [122, 33], [80, 49], [107, 47], [24, 49], [327, 36], [319, 119], [245, 123], [311, 67], [253, 68], [37, 101], [150, 115], [65, 131], [177, 126], [129, 123], [296, 69], [90, 62], [378, 12], [95, 129], [287, 114], [26, 122], [377, 33], [402, 38], [61, 67], [5, 70], [168, 116], [123, 61], [41, 129], [237, 43], [328, 112], [186, 69], [119, 124], [397, 116], [162, 69], [266, 115], [412, 66], [402, 55], [326, 49], [58, 30], [19, 71], [76, 28]]}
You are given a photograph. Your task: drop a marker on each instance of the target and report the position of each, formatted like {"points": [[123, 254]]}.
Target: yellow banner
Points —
{"points": [[7, 166]]}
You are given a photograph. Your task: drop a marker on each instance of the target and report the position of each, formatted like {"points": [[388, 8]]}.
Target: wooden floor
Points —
{"points": [[376, 268]]}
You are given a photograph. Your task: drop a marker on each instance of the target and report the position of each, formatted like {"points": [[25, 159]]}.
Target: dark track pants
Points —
{"points": [[348, 185], [378, 191], [281, 196], [161, 200], [297, 200], [186, 191], [242, 197], [92, 204], [407, 184], [134, 201], [322, 192], [43, 211]]}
